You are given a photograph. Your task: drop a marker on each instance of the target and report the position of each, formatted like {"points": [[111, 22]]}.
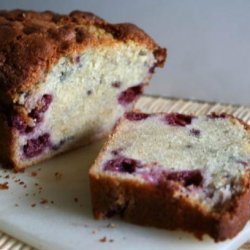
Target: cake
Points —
{"points": [[66, 79], [175, 171]]}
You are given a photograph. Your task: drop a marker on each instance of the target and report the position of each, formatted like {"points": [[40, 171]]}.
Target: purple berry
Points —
{"points": [[116, 84], [41, 108], [45, 103], [195, 132], [134, 116], [34, 147], [187, 178], [122, 164], [35, 115], [129, 95], [175, 119], [77, 59], [18, 123]]}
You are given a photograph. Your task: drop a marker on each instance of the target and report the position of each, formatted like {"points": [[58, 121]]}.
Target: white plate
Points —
{"points": [[68, 223]]}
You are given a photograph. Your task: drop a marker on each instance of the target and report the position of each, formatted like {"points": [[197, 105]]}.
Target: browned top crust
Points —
{"points": [[31, 42]]}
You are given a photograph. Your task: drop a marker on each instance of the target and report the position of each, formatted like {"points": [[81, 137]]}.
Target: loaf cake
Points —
{"points": [[175, 171], [66, 79]]}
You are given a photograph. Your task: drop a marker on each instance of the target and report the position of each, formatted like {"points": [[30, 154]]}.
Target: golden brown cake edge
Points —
{"points": [[31, 42]]}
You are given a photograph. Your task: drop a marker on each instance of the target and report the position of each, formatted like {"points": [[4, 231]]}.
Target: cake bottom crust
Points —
{"points": [[152, 205]]}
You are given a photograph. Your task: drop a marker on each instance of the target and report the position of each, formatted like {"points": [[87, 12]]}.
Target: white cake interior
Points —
{"points": [[219, 148], [85, 104]]}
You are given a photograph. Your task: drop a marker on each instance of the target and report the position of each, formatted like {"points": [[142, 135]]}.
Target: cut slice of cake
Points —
{"points": [[176, 171], [66, 79]]}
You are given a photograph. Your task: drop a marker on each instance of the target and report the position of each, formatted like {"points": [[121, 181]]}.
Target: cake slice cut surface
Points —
{"points": [[66, 79], [176, 171]]}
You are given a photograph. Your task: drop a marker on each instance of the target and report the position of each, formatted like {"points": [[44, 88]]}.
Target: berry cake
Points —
{"points": [[176, 171], [66, 79]]}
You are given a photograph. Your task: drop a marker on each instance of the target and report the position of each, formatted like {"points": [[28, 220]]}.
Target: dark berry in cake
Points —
{"points": [[186, 178], [175, 119], [34, 147], [129, 95], [116, 84], [122, 164], [45, 103], [134, 116], [195, 132]]}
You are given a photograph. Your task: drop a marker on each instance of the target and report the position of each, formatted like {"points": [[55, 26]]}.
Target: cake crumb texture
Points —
{"points": [[156, 167]]}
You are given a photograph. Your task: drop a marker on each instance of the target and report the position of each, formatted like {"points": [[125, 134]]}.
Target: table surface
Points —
{"points": [[171, 105]]}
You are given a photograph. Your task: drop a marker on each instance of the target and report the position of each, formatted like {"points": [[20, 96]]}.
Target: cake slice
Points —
{"points": [[66, 79], [176, 171]]}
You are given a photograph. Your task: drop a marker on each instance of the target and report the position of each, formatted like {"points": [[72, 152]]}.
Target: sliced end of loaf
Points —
{"points": [[67, 79], [81, 99], [193, 168]]}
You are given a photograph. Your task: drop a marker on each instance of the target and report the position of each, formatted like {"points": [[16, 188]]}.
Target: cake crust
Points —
{"points": [[31, 42], [148, 204], [155, 206]]}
